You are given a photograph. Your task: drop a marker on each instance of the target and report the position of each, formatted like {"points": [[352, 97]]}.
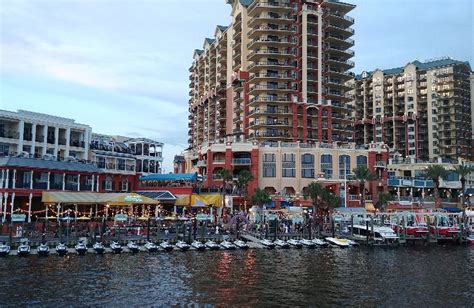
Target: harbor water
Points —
{"points": [[360, 276]]}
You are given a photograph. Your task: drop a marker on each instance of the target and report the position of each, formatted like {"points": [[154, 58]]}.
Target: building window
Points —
{"points": [[326, 165], [108, 184], [344, 166], [361, 160], [124, 185], [288, 165], [307, 166], [269, 166]]}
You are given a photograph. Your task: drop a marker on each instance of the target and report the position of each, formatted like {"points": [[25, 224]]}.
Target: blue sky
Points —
{"points": [[122, 66]]}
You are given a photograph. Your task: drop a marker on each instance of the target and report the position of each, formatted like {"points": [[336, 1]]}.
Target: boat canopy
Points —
{"points": [[112, 199]]}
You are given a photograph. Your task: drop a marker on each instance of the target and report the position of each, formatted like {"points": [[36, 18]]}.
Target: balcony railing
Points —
{"points": [[241, 161], [9, 134]]}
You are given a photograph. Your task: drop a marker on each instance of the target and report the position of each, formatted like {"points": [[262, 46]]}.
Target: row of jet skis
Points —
{"points": [[329, 241], [81, 248]]}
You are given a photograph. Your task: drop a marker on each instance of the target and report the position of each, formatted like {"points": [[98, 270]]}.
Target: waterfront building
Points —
{"points": [[32, 134], [276, 73], [58, 154], [286, 169], [421, 110]]}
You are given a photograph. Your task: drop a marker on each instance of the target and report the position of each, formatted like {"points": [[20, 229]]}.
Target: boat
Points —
{"points": [[182, 245], [99, 248], [212, 245], [116, 247], [198, 245], [166, 246], [295, 243], [381, 235], [267, 243], [228, 245], [133, 247], [61, 249], [339, 242], [81, 248], [320, 243], [151, 247], [42, 250], [24, 249], [4, 250], [241, 244], [308, 243], [282, 244]]}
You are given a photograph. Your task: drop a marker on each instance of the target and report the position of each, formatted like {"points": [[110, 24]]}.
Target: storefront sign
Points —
{"points": [[18, 217], [203, 217], [121, 217], [133, 199]]}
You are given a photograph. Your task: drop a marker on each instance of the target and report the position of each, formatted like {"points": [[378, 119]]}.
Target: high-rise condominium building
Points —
{"points": [[278, 72], [421, 110]]}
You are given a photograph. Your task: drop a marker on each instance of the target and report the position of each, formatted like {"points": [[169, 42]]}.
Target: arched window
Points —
{"points": [[344, 166], [326, 165], [109, 184]]}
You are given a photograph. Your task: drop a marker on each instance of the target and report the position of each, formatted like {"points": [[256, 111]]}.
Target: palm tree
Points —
{"points": [[243, 179], [226, 176], [330, 199], [315, 192], [260, 197], [436, 172], [462, 171], [362, 174], [384, 198]]}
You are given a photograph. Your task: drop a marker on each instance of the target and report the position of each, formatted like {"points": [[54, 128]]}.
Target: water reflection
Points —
{"points": [[411, 276]]}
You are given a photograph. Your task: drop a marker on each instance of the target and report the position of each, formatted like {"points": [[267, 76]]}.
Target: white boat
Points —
{"points": [[381, 235], [43, 250], [116, 247], [241, 244], [228, 245], [267, 243], [151, 247], [282, 244], [182, 245], [99, 248], [133, 247], [24, 249], [295, 243], [198, 245], [166, 246], [61, 249], [308, 243], [4, 250], [81, 248], [319, 242], [340, 242], [212, 245]]}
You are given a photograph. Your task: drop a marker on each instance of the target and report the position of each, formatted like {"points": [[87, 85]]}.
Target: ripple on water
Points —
{"points": [[408, 276]]}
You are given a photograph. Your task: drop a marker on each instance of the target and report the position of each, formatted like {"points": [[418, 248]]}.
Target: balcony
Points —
{"points": [[380, 164], [270, 18], [271, 76], [271, 64], [272, 88], [9, 134], [269, 41], [270, 53], [76, 143], [241, 161], [282, 30]]}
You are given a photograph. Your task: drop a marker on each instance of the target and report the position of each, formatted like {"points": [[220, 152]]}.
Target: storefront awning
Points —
{"points": [[96, 198], [170, 177], [204, 200]]}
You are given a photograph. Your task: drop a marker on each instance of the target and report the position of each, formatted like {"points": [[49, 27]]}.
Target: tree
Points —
{"points": [[462, 171], [330, 199], [243, 179], [260, 197], [384, 198], [436, 172], [226, 176], [315, 192], [362, 174]]}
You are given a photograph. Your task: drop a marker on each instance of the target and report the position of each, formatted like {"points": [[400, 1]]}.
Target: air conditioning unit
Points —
{"points": [[48, 157], [71, 158]]}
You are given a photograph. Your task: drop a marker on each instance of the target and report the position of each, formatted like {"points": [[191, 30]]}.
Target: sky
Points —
{"points": [[121, 66]]}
